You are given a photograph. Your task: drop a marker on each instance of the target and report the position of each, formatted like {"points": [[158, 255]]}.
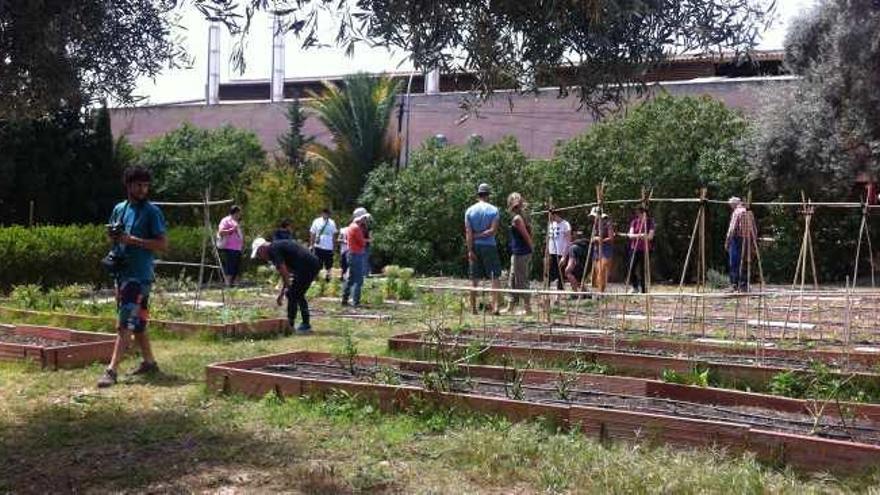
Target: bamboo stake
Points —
{"points": [[701, 275], [847, 326], [801, 257], [588, 263], [687, 260], [205, 235], [646, 281], [546, 301]]}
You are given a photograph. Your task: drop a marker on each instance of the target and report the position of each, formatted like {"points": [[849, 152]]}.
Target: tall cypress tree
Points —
{"points": [[293, 143]]}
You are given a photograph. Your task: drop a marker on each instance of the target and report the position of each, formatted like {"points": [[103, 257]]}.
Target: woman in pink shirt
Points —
{"points": [[230, 242]]}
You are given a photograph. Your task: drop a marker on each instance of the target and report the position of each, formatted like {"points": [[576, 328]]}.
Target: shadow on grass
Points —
{"points": [[107, 448], [160, 379]]}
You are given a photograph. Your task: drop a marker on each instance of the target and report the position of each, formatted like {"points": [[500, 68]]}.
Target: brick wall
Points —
{"points": [[537, 121]]}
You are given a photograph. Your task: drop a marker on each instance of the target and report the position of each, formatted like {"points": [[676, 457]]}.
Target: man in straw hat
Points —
{"points": [[480, 226]]}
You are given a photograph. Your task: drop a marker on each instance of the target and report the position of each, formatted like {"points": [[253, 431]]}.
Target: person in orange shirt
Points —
{"points": [[357, 254]]}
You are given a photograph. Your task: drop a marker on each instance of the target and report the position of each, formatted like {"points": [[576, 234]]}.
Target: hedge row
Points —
{"points": [[58, 255]]}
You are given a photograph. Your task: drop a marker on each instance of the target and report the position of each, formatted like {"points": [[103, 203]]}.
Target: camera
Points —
{"points": [[113, 262], [115, 229]]}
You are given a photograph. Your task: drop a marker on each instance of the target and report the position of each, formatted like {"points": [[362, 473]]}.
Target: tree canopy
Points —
{"points": [[55, 52], [61, 53], [823, 134], [605, 45]]}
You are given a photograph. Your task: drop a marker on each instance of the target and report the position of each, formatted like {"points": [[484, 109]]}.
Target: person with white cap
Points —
{"points": [[365, 228], [741, 233], [357, 253], [603, 247], [480, 226], [298, 268]]}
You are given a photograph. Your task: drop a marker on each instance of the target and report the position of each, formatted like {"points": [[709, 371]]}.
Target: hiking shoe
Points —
{"points": [[304, 329], [108, 379], [144, 368]]}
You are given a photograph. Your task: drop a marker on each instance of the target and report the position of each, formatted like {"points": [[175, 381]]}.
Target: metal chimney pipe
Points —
{"points": [[277, 90], [212, 84], [432, 81]]}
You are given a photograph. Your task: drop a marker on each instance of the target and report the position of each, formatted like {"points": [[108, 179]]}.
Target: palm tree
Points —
{"points": [[357, 114]]}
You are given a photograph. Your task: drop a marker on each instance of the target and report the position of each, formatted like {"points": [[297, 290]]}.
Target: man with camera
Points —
{"points": [[137, 229]]}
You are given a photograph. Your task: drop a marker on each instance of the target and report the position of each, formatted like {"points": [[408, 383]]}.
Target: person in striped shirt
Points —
{"points": [[739, 243]]}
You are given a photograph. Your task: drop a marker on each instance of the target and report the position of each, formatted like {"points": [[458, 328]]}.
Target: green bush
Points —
{"points": [[419, 212], [188, 159], [671, 144], [61, 255], [281, 192]]}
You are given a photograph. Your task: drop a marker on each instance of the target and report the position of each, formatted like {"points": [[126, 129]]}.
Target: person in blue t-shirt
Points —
{"points": [[480, 226], [137, 229]]}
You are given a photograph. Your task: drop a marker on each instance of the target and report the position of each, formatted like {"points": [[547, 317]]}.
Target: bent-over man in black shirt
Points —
{"points": [[292, 261]]}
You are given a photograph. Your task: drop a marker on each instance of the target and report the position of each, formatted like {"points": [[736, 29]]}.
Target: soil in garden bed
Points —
{"points": [[746, 358], [561, 394], [9, 336]]}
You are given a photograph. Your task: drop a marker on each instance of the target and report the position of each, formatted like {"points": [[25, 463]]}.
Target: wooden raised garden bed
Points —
{"points": [[607, 408], [736, 367], [691, 346], [268, 326], [53, 347]]}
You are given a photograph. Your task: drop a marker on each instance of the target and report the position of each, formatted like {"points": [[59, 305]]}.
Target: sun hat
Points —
{"points": [[483, 188], [734, 200], [257, 244], [359, 214]]}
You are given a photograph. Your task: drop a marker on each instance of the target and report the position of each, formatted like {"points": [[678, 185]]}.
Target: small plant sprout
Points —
{"points": [[348, 351], [563, 386], [513, 389]]}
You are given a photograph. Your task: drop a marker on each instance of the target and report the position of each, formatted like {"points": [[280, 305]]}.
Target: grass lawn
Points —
{"points": [[58, 433]]}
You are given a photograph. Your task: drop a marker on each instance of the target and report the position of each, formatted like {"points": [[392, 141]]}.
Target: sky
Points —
{"points": [[189, 84]]}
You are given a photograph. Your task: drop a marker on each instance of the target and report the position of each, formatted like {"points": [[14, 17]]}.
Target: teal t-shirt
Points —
{"points": [[144, 220], [479, 217]]}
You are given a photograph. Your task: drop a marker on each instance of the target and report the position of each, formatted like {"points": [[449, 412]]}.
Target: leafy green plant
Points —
{"points": [[385, 375], [582, 365], [563, 386], [27, 296], [788, 383], [347, 351], [513, 388], [405, 291], [443, 352], [357, 114], [695, 377]]}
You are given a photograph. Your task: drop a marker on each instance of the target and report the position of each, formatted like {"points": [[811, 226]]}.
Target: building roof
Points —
{"points": [[678, 68]]}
